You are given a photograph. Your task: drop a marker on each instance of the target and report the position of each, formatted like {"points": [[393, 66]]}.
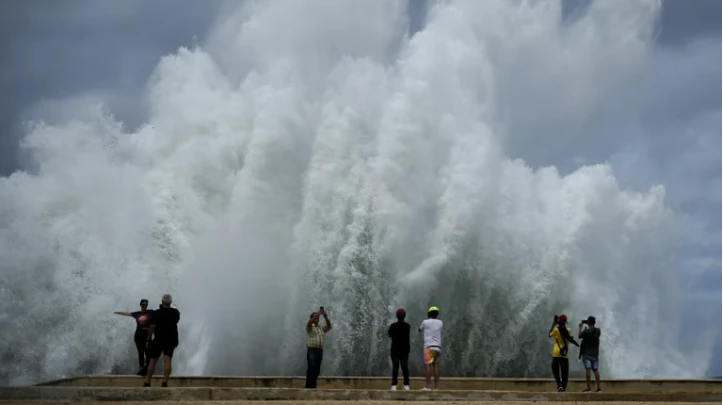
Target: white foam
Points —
{"points": [[312, 156]]}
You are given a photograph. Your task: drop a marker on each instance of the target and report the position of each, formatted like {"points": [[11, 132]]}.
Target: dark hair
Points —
{"points": [[433, 314], [401, 316], [591, 320], [565, 334], [144, 300]]}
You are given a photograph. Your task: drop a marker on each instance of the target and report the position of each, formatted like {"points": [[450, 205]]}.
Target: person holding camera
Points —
{"points": [[589, 350], [560, 356], [162, 339], [431, 329], [315, 346]]}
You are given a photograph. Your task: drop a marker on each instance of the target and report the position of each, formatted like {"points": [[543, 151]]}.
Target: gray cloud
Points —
{"points": [[685, 21], [56, 50], [680, 21]]}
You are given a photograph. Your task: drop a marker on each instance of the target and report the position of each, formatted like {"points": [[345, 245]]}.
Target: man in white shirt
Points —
{"points": [[432, 333]]}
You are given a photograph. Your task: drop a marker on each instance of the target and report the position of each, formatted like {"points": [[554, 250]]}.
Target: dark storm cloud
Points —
{"points": [[52, 50], [688, 20], [417, 14], [681, 21]]}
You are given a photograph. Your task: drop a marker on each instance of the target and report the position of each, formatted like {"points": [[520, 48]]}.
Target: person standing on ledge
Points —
{"points": [[142, 317], [163, 331], [589, 350], [315, 346], [399, 333], [432, 333], [560, 356]]}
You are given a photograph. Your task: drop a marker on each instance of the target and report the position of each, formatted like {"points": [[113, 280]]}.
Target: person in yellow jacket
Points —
{"points": [[560, 356]]}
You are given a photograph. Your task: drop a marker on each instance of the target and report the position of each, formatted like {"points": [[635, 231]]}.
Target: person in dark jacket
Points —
{"points": [[399, 332], [590, 350], [162, 339]]}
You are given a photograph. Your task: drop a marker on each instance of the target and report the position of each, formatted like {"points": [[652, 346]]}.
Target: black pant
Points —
{"points": [[314, 357], [397, 360], [560, 369], [140, 339]]}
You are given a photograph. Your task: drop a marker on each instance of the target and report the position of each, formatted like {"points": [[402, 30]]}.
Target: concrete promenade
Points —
{"points": [[332, 402], [383, 383], [375, 390]]}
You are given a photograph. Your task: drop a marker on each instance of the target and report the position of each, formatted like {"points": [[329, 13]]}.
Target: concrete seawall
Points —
{"points": [[383, 383], [85, 394], [84, 389]]}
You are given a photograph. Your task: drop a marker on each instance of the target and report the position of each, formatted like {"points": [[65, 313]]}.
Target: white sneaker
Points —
{"points": [[425, 389], [406, 388], [394, 387]]}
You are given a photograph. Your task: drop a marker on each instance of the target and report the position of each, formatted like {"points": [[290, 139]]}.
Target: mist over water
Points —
{"points": [[323, 156]]}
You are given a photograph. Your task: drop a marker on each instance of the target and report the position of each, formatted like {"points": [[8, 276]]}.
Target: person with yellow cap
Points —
{"points": [[431, 329]]}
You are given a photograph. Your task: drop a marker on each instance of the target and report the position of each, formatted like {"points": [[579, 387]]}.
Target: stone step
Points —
{"points": [[86, 394]]}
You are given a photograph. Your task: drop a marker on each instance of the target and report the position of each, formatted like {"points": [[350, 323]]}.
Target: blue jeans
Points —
{"points": [[590, 362], [314, 357]]}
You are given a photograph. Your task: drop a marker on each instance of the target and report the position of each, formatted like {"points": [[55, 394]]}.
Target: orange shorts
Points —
{"points": [[431, 355]]}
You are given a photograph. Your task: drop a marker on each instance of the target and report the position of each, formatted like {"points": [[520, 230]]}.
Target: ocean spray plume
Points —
{"points": [[298, 159]]}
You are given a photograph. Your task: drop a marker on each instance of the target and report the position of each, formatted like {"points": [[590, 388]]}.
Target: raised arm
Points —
{"points": [[124, 313], [552, 327], [328, 324], [580, 331]]}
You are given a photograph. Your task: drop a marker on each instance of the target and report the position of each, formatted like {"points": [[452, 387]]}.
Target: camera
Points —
{"points": [[584, 322]]}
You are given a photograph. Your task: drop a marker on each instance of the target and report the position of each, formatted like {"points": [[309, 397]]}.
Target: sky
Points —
{"points": [[55, 53]]}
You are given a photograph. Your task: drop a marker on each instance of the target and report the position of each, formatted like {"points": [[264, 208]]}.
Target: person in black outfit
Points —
{"points": [[164, 331], [399, 333], [142, 318]]}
